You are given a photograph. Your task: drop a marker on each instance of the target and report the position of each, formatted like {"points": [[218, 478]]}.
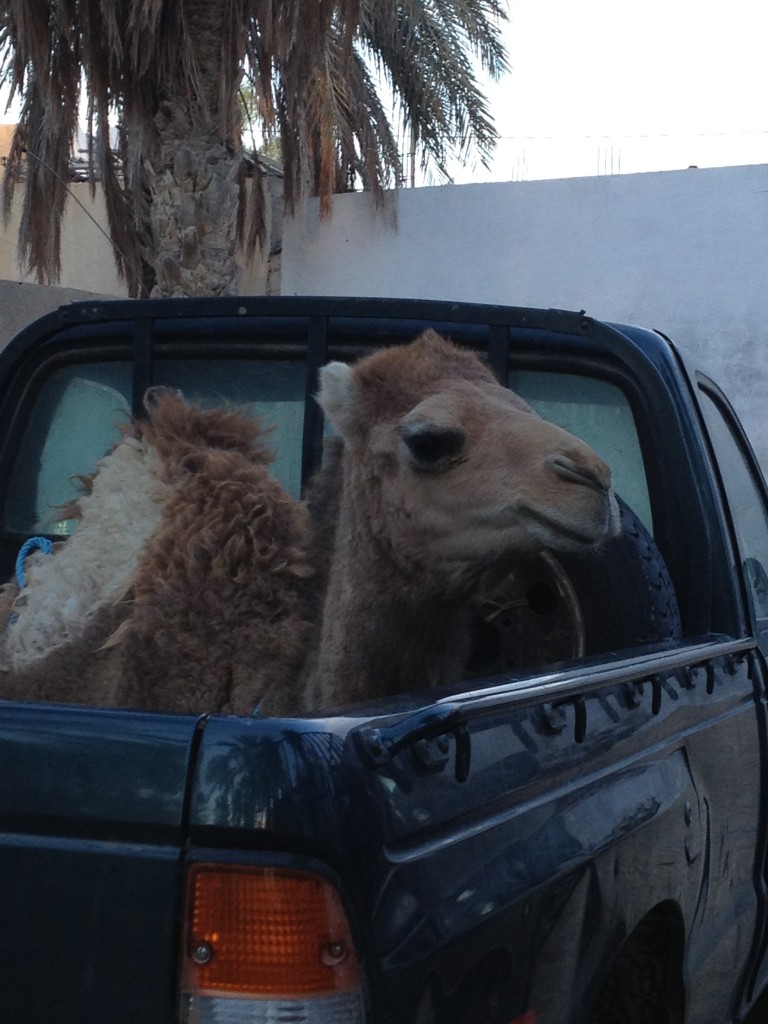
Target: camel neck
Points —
{"points": [[385, 630]]}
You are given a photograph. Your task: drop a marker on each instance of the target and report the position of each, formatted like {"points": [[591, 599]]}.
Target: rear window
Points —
{"points": [[598, 412], [76, 417]]}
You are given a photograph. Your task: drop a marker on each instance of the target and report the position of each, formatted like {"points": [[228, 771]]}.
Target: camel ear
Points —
{"points": [[337, 397]]}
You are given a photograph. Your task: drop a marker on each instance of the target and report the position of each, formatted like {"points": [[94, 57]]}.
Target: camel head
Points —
{"points": [[448, 465]]}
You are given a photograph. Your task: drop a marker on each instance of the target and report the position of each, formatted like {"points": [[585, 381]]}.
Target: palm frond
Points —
{"points": [[424, 52], [162, 69]]}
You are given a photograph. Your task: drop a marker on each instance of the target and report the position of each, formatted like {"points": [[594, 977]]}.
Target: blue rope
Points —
{"points": [[45, 545]]}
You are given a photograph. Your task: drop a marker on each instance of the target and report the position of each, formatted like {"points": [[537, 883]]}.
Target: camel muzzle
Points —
{"points": [[598, 479]]}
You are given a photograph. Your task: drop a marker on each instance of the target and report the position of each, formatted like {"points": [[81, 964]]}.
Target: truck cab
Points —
{"points": [[575, 836]]}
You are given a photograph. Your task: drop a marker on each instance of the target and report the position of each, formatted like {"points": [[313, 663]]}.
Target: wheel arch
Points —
{"points": [[643, 982]]}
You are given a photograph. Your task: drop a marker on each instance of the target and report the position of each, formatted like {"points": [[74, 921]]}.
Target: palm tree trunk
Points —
{"points": [[194, 192], [194, 173]]}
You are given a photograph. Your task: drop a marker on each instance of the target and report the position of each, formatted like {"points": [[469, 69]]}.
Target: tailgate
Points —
{"points": [[91, 812]]}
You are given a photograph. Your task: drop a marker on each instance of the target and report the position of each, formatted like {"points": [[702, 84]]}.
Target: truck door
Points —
{"points": [[744, 496]]}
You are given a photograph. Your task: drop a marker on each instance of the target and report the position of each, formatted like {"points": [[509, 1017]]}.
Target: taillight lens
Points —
{"points": [[267, 944]]}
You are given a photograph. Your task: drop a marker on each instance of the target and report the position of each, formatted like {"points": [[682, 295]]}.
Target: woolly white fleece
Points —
{"points": [[95, 567]]}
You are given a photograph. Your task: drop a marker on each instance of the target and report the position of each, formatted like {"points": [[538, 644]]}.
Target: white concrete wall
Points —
{"points": [[683, 251]]}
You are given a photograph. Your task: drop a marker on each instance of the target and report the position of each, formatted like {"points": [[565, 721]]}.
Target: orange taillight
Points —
{"points": [[266, 931]]}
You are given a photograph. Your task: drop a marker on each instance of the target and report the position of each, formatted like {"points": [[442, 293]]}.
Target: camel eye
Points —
{"points": [[430, 445]]}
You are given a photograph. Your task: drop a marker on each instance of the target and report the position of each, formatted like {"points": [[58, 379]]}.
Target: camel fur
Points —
{"points": [[182, 587], [445, 481]]}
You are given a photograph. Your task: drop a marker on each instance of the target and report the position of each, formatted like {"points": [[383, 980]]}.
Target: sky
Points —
{"points": [[604, 86]]}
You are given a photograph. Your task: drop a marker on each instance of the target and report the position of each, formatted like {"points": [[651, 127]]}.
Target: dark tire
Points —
{"points": [[758, 1014], [644, 985], [625, 591], [557, 607]]}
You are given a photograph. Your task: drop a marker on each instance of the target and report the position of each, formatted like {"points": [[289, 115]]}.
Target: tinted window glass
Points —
{"points": [[75, 421], [748, 510], [598, 412], [272, 390], [76, 416], [73, 424]]}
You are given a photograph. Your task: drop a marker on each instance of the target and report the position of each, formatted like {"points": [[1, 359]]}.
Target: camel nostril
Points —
{"points": [[597, 477]]}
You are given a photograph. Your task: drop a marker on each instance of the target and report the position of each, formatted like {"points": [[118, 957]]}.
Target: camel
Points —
{"points": [[182, 588], [445, 481], [188, 584]]}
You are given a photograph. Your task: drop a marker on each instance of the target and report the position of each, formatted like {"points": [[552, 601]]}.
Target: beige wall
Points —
{"points": [[86, 255], [87, 262], [87, 265]]}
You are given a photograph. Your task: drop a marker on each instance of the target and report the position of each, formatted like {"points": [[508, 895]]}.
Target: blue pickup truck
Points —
{"points": [[576, 836]]}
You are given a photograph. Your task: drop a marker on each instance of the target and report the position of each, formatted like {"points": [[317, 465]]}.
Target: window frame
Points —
{"points": [[730, 421]]}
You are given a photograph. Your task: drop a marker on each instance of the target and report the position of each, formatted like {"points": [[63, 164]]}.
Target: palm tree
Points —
{"points": [[166, 74]]}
